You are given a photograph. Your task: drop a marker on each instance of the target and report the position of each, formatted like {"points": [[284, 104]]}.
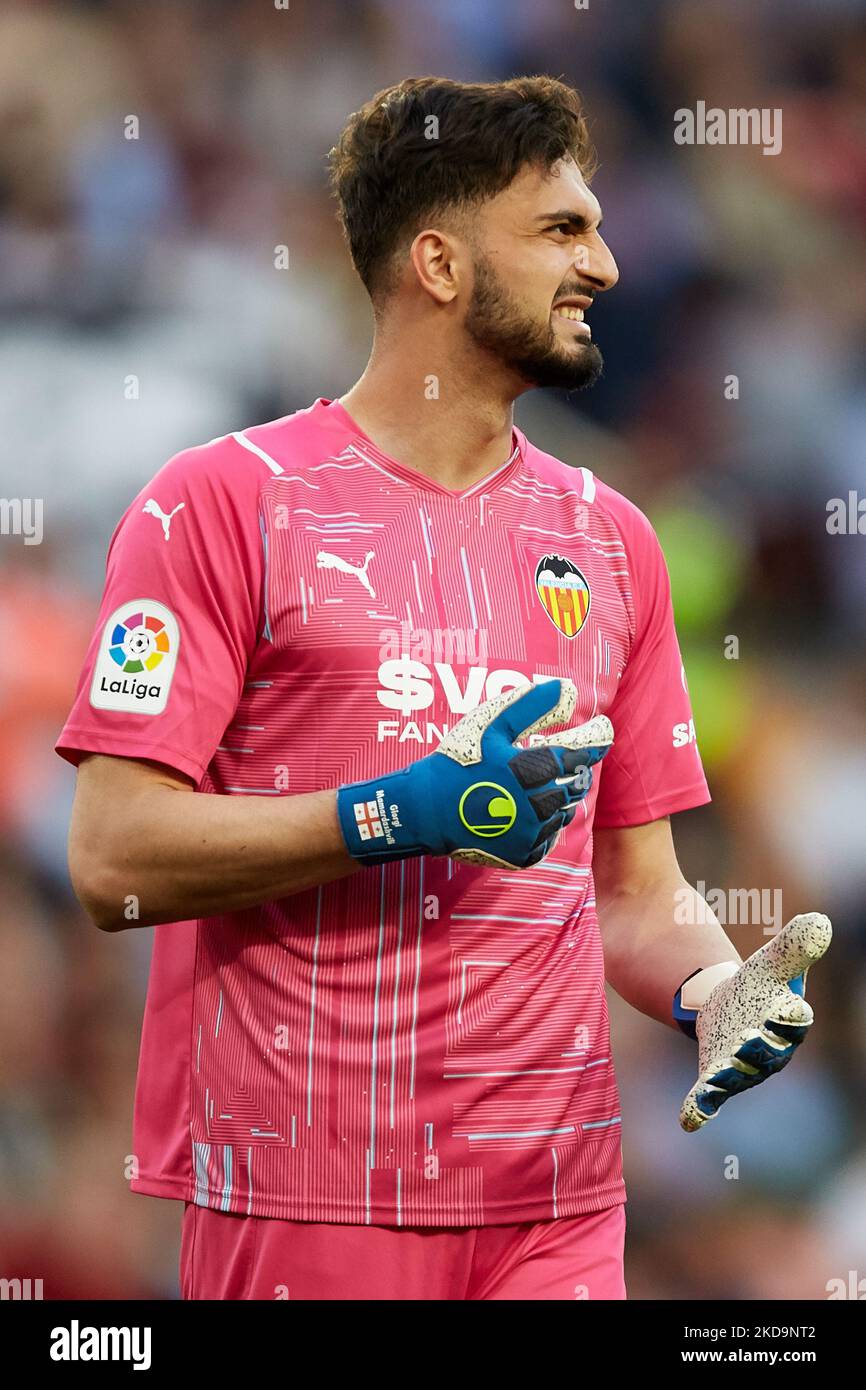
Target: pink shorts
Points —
{"points": [[224, 1256]]}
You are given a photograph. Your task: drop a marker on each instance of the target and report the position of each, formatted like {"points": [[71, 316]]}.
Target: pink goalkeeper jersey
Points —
{"points": [[425, 1042]]}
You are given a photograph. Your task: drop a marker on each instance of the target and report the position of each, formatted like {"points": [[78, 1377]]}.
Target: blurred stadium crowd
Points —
{"points": [[141, 312]]}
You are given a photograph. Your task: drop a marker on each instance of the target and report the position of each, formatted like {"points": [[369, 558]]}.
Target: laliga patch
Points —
{"points": [[136, 660], [564, 593]]}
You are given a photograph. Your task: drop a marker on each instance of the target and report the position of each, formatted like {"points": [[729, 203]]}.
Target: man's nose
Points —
{"points": [[596, 263]]}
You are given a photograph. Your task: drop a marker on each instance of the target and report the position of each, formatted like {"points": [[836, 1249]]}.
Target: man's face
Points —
{"points": [[538, 262]]}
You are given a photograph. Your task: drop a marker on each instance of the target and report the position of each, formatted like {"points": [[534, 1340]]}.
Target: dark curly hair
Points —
{"points": [[393, 168]]}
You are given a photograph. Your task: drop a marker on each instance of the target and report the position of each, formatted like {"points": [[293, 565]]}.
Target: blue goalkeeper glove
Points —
{"points": [[478, 797], [749, 1018]]}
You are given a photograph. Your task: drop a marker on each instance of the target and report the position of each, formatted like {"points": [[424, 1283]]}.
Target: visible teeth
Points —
{"points": [[567, 311]]}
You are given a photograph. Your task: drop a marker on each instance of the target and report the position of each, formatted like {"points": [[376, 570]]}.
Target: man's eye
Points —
{"points": [[564, 227]]}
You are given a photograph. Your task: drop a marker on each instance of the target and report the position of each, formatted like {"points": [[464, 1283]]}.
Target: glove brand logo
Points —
{"points": [[140, 639], [564, 593], [487, 815]]}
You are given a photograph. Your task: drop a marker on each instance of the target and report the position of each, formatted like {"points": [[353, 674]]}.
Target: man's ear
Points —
{"points": [[440, 264]]}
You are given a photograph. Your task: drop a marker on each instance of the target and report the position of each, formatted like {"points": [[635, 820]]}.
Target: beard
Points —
{"points": [[497, 323]]}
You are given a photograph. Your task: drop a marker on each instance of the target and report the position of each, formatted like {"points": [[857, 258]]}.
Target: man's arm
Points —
{"points": [[140, 829], [641, 894]]}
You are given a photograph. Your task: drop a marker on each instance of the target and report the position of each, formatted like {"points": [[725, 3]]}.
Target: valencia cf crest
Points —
{"points": [[564, 593]]}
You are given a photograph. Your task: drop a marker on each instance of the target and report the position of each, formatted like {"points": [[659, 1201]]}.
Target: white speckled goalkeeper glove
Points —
{"points": [[750, 1022]]}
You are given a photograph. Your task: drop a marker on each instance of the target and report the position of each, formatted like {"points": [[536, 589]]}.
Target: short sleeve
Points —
{"points": [[654, 767], [180, 618]]}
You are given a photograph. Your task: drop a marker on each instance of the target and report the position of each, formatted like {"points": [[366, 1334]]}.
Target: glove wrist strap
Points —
{"points": [[695, 990], [375, 819]]}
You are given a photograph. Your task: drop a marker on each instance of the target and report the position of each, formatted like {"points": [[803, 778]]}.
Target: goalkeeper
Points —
{"points": [[375, 1055]]}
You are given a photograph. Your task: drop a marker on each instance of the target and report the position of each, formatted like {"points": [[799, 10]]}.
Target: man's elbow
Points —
{"points": [[97, 887]]}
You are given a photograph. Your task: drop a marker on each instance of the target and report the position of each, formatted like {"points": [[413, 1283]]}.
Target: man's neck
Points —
{"points": [[440, 423]]}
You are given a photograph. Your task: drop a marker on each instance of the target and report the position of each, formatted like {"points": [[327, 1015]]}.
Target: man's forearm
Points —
{"points": [[649, 949], [171, 855]]}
